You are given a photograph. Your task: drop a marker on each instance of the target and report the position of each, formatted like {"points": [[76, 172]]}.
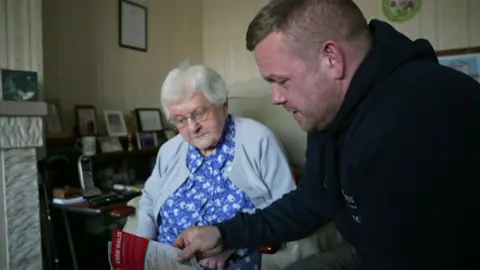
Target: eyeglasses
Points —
{"points": [[199, 115]]}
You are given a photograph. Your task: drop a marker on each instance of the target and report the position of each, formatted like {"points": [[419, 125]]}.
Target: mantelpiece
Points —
{"points": [[21, 131], [14, 108]]}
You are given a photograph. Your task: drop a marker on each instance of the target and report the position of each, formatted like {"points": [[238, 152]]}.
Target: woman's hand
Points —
{"points": [[217, 261]]}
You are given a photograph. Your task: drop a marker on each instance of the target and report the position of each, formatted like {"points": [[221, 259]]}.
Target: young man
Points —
{"points": [[393, 141]]}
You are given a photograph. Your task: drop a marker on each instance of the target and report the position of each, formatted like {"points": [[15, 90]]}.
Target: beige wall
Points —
{"points": [[446, 23], [83, 63], [21, 36]]}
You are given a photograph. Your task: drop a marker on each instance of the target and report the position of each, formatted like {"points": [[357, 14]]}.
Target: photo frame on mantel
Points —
{"points": [[115, 123], [149, 119], [53, 120], [86, 120], [132, 25]]}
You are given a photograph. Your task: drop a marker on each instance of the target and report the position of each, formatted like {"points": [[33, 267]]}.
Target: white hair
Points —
{"points": [[186, 80]]}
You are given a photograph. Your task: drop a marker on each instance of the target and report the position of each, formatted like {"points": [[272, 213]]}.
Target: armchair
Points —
{"points": [[279, 256]]}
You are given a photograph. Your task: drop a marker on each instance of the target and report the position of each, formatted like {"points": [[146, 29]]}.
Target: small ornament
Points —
{"points": [[400, 10], [130, 145]]}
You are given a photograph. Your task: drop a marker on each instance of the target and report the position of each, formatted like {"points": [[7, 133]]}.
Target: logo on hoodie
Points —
{"points": [[351, 203]]}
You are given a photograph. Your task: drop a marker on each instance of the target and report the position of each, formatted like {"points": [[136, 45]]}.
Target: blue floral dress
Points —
{"points": [[208, 197]]}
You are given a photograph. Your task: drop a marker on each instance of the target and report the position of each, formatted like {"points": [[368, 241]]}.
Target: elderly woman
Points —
{"points": [[217, 166]]}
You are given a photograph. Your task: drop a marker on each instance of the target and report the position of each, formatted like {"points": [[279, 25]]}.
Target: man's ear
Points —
{"points": [[332, 59]]}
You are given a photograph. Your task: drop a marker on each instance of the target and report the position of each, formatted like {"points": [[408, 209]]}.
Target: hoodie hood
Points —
{"points": [[390, 50]]}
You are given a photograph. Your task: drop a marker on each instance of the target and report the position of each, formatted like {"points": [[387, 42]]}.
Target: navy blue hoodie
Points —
{"points": [[397, 170]]}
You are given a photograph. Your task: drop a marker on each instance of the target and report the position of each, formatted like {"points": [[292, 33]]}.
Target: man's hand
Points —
{"points": [[218, 261], [204, 241]]}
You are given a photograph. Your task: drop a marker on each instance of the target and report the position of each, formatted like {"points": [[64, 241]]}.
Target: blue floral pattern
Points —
{"points": [[208, 197]]}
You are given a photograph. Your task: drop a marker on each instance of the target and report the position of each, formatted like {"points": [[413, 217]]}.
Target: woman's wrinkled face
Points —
{"points": [[199, 121]]}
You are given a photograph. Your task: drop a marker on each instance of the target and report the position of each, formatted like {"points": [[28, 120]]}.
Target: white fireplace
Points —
{"points": [[21, 132]]}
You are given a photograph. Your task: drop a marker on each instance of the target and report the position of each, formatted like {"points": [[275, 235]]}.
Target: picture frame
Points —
{"points": [[86, 120], [147, 140], [115, 123], [19, 85], [110, 144], [132, 25], [53, 120], [466, 60], [149, 119]]}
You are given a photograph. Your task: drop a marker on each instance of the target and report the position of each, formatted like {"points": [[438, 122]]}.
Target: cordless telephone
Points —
{"points": [[85, 172]]}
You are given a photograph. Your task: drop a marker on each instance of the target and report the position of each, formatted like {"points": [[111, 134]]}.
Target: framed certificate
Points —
{"points": [[132, 27]]}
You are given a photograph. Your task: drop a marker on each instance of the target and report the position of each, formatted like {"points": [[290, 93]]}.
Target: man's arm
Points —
{"points": [[294, 216]]}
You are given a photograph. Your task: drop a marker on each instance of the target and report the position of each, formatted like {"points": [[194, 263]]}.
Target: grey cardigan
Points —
{"points": [[260, 168]]}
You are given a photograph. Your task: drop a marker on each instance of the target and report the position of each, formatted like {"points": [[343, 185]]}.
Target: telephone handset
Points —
{"points": [[85, 171]]}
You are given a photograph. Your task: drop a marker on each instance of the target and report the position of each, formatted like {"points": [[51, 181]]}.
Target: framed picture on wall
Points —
{"points": [[86, 120], [466, 60], [115, 123], [132, 19], [149, 119]]}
